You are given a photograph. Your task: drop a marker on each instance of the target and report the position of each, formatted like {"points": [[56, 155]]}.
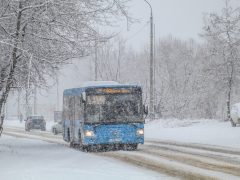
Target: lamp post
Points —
{"points": [[96, 60], [151, 103]]}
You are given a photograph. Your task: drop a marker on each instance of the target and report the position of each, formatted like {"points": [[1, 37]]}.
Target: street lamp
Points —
{"points": [[151, 103]]}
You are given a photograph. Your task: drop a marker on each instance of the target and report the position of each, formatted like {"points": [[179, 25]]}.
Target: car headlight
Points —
{"points": [[140, 132], [89, 133]]}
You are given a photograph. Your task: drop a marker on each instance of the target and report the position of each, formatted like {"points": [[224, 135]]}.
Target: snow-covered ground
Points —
{"points": [[212, 132], [25, 159]]}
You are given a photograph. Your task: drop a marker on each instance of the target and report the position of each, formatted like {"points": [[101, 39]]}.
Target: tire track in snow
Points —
{"points": [[157, 166], [195, 160]]}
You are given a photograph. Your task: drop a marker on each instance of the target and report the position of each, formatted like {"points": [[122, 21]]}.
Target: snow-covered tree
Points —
{"points": [[38, 36], [178, 77], [222, 32]]}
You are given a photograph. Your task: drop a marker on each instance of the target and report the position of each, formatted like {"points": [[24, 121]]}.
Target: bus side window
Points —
{"points": [[71, 108], [65, 108], [78, 107]]}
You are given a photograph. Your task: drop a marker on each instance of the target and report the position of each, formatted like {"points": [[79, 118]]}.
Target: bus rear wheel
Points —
{"points": [[54, 131]]}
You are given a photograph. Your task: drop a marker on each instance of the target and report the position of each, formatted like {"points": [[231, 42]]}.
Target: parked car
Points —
{"points": [[57, 128], [35, 122], [235, 114]]}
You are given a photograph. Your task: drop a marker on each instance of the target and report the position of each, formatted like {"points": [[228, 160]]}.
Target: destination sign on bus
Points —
{"points": [[114, 91]]}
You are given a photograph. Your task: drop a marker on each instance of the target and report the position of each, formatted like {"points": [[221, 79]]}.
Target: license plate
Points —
{"points": [[115, 140]]}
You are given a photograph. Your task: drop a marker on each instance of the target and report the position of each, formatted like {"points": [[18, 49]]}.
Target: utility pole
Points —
{"points": [[151, 103], [154, 73], [96, 59]]}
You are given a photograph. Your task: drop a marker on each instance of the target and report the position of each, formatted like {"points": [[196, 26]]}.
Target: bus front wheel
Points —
{"points": [[68, 135], [130, 147], [134, 146]]}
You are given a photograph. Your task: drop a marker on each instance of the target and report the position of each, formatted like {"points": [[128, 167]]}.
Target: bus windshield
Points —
{"points": [[114, 108]]}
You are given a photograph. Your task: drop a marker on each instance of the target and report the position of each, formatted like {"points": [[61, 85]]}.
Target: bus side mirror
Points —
{"points": [[145, 109]]}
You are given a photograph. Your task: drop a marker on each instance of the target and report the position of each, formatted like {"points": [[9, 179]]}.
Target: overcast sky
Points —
{"points": [[180, 18]]}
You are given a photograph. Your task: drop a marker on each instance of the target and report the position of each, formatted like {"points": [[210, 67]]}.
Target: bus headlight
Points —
{"points": [[89, 133], [140, 132]]}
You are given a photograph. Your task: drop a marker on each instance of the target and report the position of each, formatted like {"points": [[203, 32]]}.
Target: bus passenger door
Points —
{"points": [[72, 118]]}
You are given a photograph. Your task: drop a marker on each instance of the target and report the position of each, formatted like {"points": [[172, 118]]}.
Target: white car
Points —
{"points": [[57, 128], [235, 114]]}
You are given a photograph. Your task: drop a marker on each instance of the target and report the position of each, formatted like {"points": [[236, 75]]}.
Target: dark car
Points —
{"points": [[35, 122]]}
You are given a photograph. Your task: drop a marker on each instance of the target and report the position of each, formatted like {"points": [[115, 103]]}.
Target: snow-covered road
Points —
{"points": [[176, 148], [27, 159]]}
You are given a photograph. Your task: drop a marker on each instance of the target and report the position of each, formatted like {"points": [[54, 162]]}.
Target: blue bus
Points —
{"points": [[104, 115]]}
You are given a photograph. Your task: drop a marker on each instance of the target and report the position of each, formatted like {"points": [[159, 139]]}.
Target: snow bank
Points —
{"points": [[213, 132]]}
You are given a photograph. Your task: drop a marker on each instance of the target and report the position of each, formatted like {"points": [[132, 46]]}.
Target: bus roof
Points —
{"points": [[95, 84], [98, 83]]}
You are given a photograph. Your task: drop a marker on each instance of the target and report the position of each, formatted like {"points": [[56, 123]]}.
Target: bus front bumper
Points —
{"points": [[112, 140]]}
